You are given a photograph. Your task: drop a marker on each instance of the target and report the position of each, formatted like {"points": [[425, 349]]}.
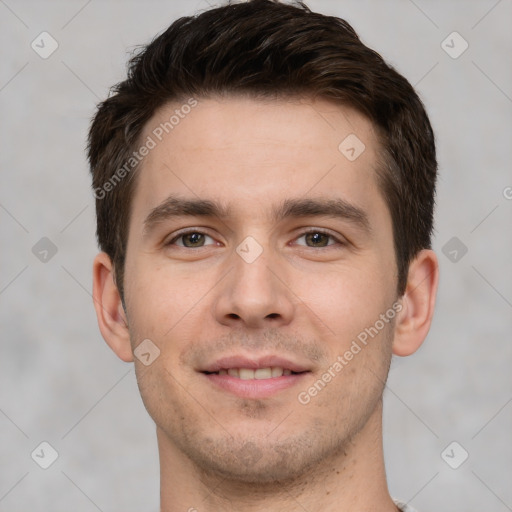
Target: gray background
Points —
{"points": [[59, 381]]}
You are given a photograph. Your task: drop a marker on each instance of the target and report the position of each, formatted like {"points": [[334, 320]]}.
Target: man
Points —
{"points": [[265, 190]]}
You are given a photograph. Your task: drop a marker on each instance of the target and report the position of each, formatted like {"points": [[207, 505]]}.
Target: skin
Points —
{"points": [[305, 297]]}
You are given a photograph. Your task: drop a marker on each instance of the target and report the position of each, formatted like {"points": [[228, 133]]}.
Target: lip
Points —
{"points": [[236, 361], [254, 388]]}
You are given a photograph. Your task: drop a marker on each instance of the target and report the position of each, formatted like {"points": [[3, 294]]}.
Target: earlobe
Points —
{"points": [[111, 316], [415, 318]]}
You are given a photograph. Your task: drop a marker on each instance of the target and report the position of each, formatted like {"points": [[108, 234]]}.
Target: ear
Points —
{"points": [[109, 308], [413, 321]]}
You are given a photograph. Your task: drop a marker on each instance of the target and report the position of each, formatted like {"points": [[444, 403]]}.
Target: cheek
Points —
{"points": [[346, 300], [343, 396], [163, 299], [162, 394]]}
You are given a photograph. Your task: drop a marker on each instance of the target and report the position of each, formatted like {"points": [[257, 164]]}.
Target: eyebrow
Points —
{"points": [[336, 208], [175, 206]]}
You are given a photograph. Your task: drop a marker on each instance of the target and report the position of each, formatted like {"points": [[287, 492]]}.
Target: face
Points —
{"points": [[260, 262]]}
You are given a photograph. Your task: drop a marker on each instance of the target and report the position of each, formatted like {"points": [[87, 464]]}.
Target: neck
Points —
{"points": [[353, 479]]}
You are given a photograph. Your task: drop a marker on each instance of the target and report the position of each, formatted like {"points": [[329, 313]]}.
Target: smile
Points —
{"points": [[258, 374]]}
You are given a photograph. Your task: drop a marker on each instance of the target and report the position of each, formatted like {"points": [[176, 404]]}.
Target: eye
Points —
{"points": [[318, 239], [191, 239]]}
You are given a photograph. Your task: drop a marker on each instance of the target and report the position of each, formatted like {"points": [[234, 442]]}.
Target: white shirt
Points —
{"points": [[404, 507]]}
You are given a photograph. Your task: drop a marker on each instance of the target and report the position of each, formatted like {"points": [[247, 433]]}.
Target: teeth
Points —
{"points": [[246, 373], [277, 371], [259, 374], [263, 373]]}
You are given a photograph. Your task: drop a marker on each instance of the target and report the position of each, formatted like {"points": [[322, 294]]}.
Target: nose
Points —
{"points": [[254, 294]]}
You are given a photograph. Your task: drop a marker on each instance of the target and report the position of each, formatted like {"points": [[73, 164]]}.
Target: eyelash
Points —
{"points": [[304, 233], [321, 232]]}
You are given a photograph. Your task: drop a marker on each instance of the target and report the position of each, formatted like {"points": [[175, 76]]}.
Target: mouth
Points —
{"points": [[250, 378], [270, 372]]}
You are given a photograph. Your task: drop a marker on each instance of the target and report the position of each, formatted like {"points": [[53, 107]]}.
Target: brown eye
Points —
{"points": [[317, 239], [191, 240]]}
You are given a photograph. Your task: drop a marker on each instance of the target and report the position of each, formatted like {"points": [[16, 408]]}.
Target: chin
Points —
{"points": [[247, 462]]}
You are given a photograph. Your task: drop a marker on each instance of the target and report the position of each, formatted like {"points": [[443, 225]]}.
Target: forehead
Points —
{"points": [[247, 153]]}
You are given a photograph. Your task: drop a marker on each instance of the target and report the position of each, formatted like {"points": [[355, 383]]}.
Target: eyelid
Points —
{"points": [[186, 231], [337, 238]]}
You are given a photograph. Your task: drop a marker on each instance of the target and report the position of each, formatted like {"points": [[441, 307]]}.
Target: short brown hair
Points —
{"points": [[266, 48]]}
